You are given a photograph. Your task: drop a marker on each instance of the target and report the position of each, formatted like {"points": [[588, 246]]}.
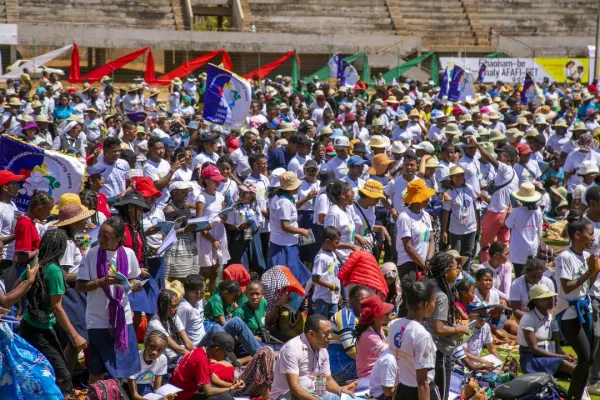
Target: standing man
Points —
{"points": [[239, 157], [159, 170], [117, 173], [9, 189]]}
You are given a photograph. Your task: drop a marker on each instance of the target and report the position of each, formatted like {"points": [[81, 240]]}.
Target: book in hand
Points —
{"points": [[166, 226], [201, 223], [304, 241], [163, 391], [125, 282]]}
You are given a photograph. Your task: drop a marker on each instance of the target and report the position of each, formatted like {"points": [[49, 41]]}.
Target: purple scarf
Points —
{"points": [[116, 312]]}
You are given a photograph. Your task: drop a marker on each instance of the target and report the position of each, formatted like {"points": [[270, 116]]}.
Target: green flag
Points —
{"points": [[295, 69]]}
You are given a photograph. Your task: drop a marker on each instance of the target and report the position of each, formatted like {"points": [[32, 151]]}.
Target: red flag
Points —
{"points": [[74, 70], [188, 67], [268, 68], [112, 66], [149, 74]]}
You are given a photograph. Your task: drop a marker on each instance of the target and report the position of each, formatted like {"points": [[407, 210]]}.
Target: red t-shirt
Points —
{"points": [[192, 371], [224, 373], [102, 205], [27, 237], [128, 242]]}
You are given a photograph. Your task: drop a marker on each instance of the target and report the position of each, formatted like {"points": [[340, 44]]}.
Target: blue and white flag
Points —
{"points": [[530, 89], [342, 70], [227, 98], [445, 85], [50, 171], [466, 86], [455, 86], [481, 74]]}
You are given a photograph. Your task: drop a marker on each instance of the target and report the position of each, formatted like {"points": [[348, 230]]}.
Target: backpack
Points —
{"points": [[492, 188], [106, 390], [530, 387]]}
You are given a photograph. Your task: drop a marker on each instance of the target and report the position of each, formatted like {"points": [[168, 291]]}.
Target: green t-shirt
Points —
{"points": [[247, 315], [55, 286], [214, 308]]}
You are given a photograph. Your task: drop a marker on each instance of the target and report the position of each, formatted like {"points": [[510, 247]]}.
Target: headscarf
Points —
{"points": [[68, 127], [40, 90], [389, 270], [116, 312]]}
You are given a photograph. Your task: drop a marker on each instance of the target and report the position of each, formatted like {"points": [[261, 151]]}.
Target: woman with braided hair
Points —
{"points": [[443, 324], [131, 210], [167, 321], [44, 308]]}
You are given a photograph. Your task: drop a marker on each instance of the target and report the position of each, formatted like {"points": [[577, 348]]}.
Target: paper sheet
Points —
{"points": [[168, 242], [493, 359]]}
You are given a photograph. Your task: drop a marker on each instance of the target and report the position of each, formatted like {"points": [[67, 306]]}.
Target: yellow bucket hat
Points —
{"points": [[67, 198]]}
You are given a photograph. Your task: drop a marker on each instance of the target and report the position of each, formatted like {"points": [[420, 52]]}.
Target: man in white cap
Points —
{"points": [[316, 82], [338, 164]]}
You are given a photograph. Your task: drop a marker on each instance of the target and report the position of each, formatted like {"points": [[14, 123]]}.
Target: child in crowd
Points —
{"points": [[154, 366], [482, 336], [324, 276], [191, 307], [221, 305], [488, 295]]}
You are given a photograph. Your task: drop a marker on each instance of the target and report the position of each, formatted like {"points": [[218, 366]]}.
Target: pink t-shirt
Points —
{"points": [[370, 347]]}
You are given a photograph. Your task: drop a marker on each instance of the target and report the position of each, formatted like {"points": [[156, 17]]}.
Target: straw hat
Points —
{"points": [[532, 132], [489, 147], [372, 189], [153, 92], [460, 260], [414, 113], [287, 127], [455, 170], [579, 127], [289, 181], [522, 121], [377, 122], [175, 81], [378, 141], [398, 147], [417, 192], [392, 100], [527, 193], [402, 118], [563, 203], [451, 129], [326, 130], [380, 164], [41, 118], [587, 167], [560, 191], [65, 199], [540, 291], [14, 101], [561, 123], [513, 134], [132, 88], [432, 162], [72, 213]]}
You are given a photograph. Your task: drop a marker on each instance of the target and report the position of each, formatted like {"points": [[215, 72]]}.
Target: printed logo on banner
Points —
{"points": [[227, 98]]}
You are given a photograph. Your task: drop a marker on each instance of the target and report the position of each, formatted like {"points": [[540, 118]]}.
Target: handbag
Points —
{"points": [[265, 335], [376, 250]]}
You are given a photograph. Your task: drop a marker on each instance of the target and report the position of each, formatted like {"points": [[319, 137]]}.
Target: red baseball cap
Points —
{"points": [[350, 117], [373, 307], [523, 149], [146, 187], [213, 173], [6, 177]]}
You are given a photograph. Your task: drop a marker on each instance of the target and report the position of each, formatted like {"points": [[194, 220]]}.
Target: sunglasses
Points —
{"points": [[485, 316]]}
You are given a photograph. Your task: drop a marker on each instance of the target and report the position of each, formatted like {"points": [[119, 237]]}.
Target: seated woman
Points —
{"points": [[154, 366], [539, 338], [371, 339], [167, 321], [533, 274]]}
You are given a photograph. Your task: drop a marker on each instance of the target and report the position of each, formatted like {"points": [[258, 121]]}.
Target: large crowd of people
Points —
{"points": [[346, 240]]}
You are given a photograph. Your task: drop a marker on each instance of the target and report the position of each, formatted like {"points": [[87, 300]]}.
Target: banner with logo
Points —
{"points": [[50, 171], [227, 98], [512, 70]]}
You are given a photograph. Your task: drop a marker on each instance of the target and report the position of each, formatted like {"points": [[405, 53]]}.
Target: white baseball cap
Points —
{"points": [[427, 147], [341, 141]]}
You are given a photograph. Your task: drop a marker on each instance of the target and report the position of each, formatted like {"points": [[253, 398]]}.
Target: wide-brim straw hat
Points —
{"points": [[540, 291], [559, 191], [372, 189], [289, 181], [381, 163], [527, 193], [418, 192], [72, 213], [461, 260]]}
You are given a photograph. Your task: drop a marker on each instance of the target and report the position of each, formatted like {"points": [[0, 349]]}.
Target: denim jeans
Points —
{"points": [[236, 328], [325, 309]]}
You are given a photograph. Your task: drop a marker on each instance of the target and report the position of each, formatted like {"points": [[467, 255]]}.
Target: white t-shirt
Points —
{"points": [[338, 166], [192, 319], [115, 177], [156, 171], [326, 266], [346, 221], [155, 324], [443, 172], [321, 205], [283, 209], [418, 228], [481, 337], [8, 221], [519, 290], [570, 265], [213, 205], [354, 184], [262, 184], [204, 157], [154, 241], [528, 172], [229, 189], [524, 228], [72, 257], [304, 189], [493, 297], [542, 326], [462, 207], [239, 157], [500, 200], [182, 174], [97, 303], [384, 373], [396, 189], [413, 349], [472, 172], [148, 372], [296, 165], [366, 220]]}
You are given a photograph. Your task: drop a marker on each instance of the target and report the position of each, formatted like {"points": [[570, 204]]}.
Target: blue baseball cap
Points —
{"points": [[356, 160], [337, 132], [95, 169], [168, 142]]}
